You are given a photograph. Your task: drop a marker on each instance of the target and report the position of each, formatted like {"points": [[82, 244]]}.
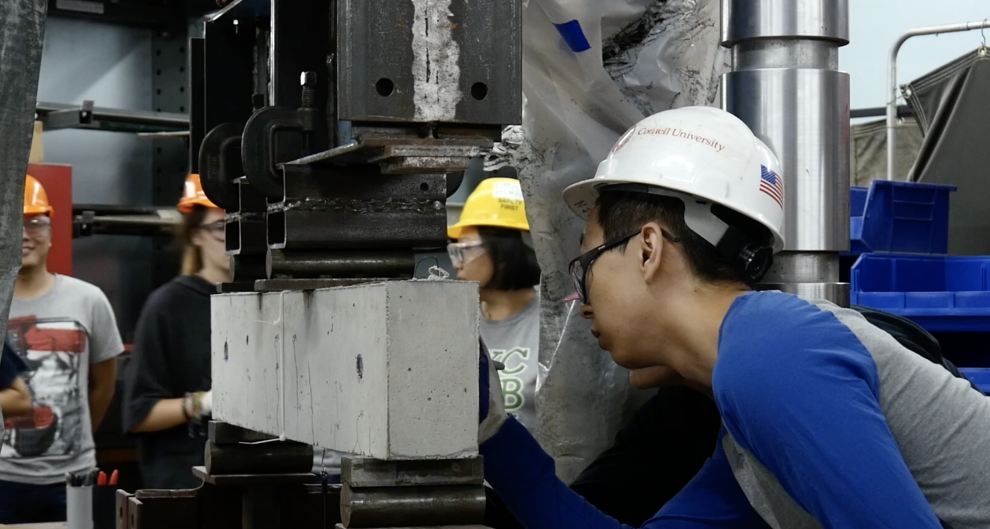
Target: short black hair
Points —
{"points": [[514, 265], [623, 212]]}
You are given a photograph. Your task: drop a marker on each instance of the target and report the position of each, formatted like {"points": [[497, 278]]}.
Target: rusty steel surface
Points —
{"points": [[362, 472], [358, 208], [429, 61]]}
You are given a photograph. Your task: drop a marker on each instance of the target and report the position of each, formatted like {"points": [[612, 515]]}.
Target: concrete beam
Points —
{"points": [[384, 370]]}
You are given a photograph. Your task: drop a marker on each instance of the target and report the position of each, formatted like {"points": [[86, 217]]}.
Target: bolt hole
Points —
{"points": [[158, 110], [159, 149], [182, 109], [158, 72], [479, 91], [182, 69], [182, 49], [385, 87], [158, 53], [424, 187], [159, 91], [181, 89]]}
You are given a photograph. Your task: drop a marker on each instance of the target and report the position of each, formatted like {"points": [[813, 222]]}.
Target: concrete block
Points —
{"points": [[382, 370]]}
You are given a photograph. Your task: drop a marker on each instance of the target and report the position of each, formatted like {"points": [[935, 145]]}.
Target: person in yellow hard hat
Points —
{"points": [[65, 332], [168, 383], [494, 248]]}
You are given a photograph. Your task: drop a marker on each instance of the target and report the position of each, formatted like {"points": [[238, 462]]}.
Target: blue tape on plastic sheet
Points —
{"points": [[573, 35]]}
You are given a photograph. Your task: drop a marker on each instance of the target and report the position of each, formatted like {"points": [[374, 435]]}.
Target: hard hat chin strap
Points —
{"points": [[755, 259]]}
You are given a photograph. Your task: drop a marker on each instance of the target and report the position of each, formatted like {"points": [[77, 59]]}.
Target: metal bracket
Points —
{"points": [[69, 119], [406, 155]]}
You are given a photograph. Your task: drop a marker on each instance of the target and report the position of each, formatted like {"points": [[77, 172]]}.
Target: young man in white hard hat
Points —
{"points": [[65, 331], [828, 421]]}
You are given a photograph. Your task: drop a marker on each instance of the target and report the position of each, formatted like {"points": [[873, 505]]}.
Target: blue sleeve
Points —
{"points": [[523, 475], [800, 392]]}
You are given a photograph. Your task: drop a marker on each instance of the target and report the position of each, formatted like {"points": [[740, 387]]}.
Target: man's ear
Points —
{"points": [[652, 250]]}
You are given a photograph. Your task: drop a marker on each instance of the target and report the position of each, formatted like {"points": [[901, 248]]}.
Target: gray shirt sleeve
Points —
{"points": [[104, 338]]}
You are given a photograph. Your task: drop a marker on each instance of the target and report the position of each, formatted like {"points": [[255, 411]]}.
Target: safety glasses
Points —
{"points": [[37, 225], [582, 264], [462, 253], [216, 229]]}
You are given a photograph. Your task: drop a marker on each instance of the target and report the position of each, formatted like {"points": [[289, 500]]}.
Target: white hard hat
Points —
{"points": [[702, 155]]}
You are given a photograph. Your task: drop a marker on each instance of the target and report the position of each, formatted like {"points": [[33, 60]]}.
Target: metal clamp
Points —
{"points": [[220, 165]]}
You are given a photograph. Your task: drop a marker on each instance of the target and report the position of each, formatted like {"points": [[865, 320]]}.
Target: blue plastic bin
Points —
{"points": [[941, 293], [857, 205], [904, 217], [979, 376]]}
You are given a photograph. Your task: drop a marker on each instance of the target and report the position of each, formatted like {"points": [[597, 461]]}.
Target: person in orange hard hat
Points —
{"points": [[493, 247], [167, 390], [65, 332]]}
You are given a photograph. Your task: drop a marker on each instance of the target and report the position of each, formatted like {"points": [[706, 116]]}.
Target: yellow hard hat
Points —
{"points": [[35, 198], [496, 202], [193, 195]]}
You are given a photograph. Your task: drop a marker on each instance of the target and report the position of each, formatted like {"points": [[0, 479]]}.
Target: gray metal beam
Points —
{"points": [[62, 115]]}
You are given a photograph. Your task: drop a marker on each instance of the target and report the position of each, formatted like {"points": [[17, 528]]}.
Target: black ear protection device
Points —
{"points": [[755, 259]]}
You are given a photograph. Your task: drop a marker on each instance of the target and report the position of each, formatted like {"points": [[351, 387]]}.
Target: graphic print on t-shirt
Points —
{"points": [[52, 348], [512, 377]]}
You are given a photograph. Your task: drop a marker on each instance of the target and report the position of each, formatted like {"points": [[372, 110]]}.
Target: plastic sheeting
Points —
{"points": [[954, 150], [869, 150], [591, 70], [929, 93]]}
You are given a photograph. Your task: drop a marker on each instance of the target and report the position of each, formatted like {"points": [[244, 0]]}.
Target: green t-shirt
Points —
{"points": [[515, 341]]}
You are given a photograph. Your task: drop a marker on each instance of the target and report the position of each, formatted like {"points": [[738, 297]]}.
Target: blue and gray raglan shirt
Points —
{"points": [[828, 422]]}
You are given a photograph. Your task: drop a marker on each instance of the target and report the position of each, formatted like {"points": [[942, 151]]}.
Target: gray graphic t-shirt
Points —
{"points": [[58, 335], [515, 341]]}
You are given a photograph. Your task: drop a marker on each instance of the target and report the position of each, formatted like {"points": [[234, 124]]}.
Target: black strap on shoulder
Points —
{"points": [[912, 336]]}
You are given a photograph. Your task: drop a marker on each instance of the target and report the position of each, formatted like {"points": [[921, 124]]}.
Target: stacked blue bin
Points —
{"points": [[900, 231]]}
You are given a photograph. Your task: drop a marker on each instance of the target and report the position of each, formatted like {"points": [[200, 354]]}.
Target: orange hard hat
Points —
{"points": [[35, 198], [193, 195]]}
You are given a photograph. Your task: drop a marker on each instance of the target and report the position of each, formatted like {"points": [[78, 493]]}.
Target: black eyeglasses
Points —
{"points": [[581, 264]]}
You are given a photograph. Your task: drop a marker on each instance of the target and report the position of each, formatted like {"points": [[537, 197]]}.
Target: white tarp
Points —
{"points": [[636, 57]]}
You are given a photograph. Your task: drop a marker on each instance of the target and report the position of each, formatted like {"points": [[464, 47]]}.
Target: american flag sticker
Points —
{"points": [[772, 184]]}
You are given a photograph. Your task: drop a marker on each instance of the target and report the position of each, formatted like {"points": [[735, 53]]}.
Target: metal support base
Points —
{"points": [[391, 494], [250, 482]]}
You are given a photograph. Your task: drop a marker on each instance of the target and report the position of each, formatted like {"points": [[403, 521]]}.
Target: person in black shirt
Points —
{"points": [[15, 398], [167, 390]]}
